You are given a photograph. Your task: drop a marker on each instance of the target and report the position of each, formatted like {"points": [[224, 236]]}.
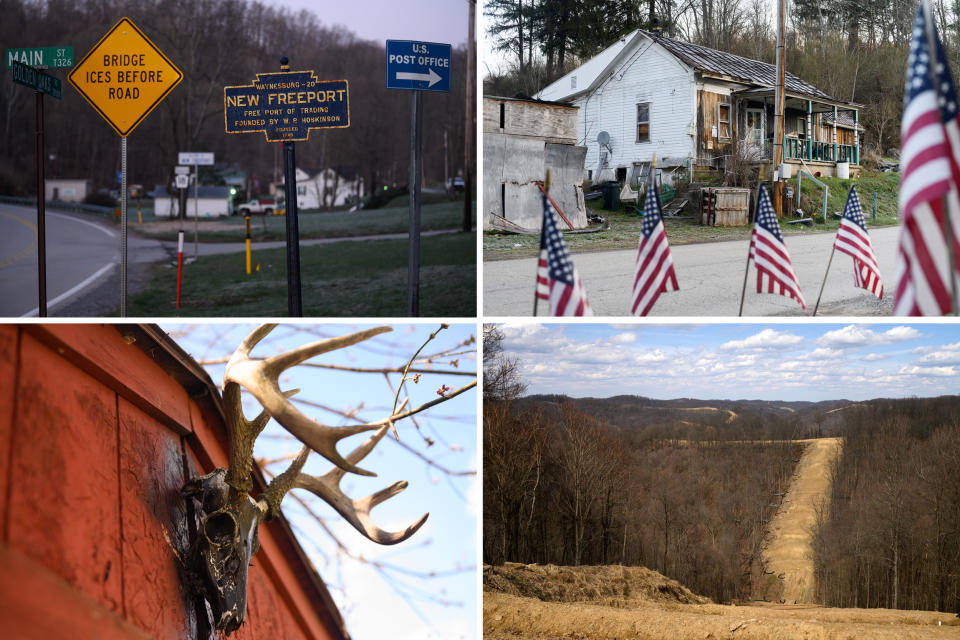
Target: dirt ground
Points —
{"points": [[789, 553], [508, 617], [546, 602]]}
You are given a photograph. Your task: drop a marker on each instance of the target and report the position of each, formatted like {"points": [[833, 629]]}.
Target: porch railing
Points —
{"points": [[815, 150]]}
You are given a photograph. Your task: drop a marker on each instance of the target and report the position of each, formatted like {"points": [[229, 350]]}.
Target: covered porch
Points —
{"points": [[816, 130]]}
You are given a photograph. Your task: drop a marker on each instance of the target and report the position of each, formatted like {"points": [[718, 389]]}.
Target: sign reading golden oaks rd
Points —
{"points": [[124, 76], [286, 105]]}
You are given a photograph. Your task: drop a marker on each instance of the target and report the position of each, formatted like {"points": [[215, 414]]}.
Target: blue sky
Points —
{"points": [[775, 361], [371, 605]]}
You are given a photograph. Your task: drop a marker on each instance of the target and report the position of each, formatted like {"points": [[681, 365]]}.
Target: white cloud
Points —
{"points": [[624, 338], [873, 357], [937, 372], [766, 339], [854, 336]]}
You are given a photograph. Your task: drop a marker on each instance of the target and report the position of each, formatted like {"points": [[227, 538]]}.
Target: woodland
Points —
{"points": [[687, 488], [218, 43], [854, 50]]}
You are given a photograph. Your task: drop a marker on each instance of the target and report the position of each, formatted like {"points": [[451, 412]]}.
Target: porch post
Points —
{"points": [[856, 139], [834, 133], [809, 129]]}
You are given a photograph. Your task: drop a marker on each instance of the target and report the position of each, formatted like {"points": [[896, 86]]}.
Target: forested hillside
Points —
{"points": [[218, 43], [853, 50], [891, 535]]}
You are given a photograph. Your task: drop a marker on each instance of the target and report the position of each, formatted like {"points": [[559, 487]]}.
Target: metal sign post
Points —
{"points": [[285, 106], [416, 66], [124, 77], [183, 180], [195, 158], [41, 83]]}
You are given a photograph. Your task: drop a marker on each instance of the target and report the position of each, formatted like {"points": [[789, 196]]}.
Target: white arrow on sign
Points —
{"points": [[432, 77]]}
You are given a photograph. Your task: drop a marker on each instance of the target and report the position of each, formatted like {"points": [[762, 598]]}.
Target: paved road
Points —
{"points": [[82, 252], [710, 277], [83, 261]]}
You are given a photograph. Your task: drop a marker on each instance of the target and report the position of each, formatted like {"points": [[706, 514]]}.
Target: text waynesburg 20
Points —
{"points": [[286, 105]]}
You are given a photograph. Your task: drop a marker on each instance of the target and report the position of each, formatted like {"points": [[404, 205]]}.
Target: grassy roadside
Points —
{"points": [[444, 214], [338, 280], [624, 230]]}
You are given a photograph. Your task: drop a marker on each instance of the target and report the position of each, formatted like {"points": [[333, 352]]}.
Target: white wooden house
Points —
{"points": [[326, 188], [694, 107], [211, 202]]}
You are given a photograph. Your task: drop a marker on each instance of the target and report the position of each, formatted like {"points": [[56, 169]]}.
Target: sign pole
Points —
{"points": [[182, 199], [294, 305], [41, 213], [123, 226], [196, 212], [416, 172]]}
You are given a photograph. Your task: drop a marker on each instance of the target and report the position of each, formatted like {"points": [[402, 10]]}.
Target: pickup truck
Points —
{"points": [[257, 205]]}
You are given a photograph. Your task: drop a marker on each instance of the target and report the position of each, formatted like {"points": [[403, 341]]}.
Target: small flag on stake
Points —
{"points": [[557, 280], [853, 240], [769, 253], [654, 269]]}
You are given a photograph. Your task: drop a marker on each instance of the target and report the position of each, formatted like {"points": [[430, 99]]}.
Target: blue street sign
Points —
{"points": [[423, 66], [286, 105]]}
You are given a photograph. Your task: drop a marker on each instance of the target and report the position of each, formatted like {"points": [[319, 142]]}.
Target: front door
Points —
{"points": [[755, 131]]}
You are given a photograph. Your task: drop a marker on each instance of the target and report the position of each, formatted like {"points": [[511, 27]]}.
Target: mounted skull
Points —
{"points": [[230, 517]]}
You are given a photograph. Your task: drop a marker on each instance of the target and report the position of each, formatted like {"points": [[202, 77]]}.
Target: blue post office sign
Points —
{"points": [[286, 105], [422, 66]]}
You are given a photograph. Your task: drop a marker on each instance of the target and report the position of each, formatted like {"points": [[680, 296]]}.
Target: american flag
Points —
{"points": [[654, 270], [557, 279], [774, 269], [853, 240], [930, 148]]}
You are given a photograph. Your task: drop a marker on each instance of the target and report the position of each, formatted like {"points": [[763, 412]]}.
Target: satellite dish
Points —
{"points": [[603, 137]]}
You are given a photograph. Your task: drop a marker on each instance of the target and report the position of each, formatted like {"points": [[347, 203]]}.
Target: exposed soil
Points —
{"points": [[789, 552], [614, 602]]}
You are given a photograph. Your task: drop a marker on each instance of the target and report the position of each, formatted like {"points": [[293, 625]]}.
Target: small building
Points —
{"points": [[100, 428], [697, 107], [67, 190], [323, 189], [211, 202], [522, 140]]}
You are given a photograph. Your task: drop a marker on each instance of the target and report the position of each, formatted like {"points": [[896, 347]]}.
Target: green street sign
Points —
{"points": [[41, 57], [36, 79]]}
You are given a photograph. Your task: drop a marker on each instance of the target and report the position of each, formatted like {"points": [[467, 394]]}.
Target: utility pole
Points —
{"points": [[468, 126], [778, 116]]}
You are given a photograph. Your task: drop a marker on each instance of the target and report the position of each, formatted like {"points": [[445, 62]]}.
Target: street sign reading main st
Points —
{"points": [[124, 76], [422, 66], [41, 57], [286, 105]]}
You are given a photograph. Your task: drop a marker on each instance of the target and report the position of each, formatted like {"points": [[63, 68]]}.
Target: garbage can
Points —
{"points": [[611, 195]]}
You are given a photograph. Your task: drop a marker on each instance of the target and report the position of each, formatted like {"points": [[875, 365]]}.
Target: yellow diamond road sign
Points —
{"points": [[125, 76]]}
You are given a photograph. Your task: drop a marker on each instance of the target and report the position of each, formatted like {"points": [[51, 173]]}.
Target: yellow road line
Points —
{"points": [[26, 250]]}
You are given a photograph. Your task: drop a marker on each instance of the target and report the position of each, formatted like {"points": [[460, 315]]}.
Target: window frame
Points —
{"points": [[647, 122], [721, 121]]}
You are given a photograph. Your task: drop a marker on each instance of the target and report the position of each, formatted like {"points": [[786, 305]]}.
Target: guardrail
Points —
{"points": [[75, 207]]}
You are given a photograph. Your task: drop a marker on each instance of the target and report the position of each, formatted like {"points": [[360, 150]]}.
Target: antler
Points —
{"points": [[261, 379], [357, 512]]}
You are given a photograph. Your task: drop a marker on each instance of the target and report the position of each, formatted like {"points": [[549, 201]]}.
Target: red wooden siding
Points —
{"points": [[96, 439]]}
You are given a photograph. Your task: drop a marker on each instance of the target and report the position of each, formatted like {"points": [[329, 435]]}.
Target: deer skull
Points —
{"points": [[230, 517]]}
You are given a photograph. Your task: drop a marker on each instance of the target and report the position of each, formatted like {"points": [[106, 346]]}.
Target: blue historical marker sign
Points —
{"points": [[286, 105], [423, 66]]}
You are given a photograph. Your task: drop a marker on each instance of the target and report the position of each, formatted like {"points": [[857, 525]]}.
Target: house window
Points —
{"points": [[573, 82], [301, 190], [723, 121], [643, 122], [802, 128]]}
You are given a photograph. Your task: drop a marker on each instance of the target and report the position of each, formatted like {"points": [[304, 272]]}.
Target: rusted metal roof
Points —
{"points": [[709, 60]]}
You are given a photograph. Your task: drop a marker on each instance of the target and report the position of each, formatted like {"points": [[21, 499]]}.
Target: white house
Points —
{"points": [[212, 202], [695, 106], [320, 189], [67, 190]]}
